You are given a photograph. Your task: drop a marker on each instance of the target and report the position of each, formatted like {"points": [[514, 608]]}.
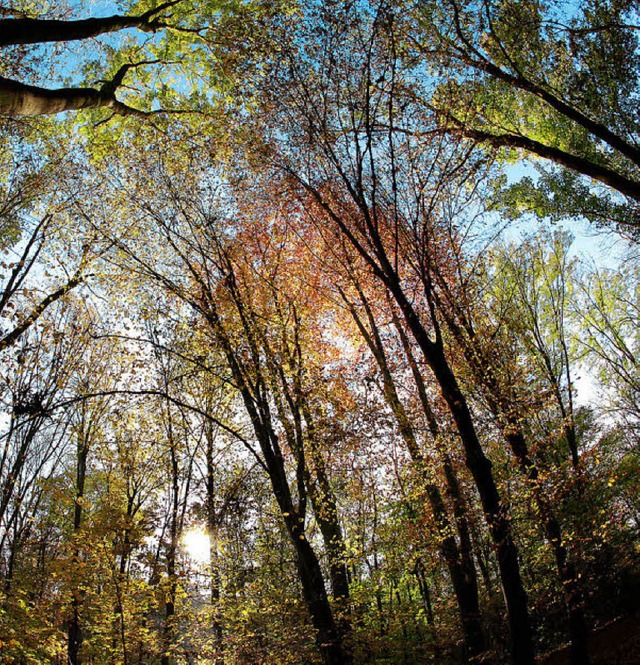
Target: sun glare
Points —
{"points": [[197, 544]]}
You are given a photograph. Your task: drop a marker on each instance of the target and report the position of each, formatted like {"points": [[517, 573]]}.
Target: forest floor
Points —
{"points": [[617, 643]]}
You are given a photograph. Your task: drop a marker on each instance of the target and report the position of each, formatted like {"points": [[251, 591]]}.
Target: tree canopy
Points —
{"points": [[304, 355]]}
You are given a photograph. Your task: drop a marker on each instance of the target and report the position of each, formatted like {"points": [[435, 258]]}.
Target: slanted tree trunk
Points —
{"points": [[21, 99], [502, 409], [40, 31], [294, 410], [495, 510], [253, 391], [326, 512]]}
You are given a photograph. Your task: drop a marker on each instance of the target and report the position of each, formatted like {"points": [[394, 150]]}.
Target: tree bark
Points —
{"points": [[12, 336], [40, 31], [496, 512], [20, 99], [213, 519]]}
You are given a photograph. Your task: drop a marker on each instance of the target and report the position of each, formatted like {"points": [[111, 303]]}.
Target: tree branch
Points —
{"points": [[607, 176], [37, 311], [21, 99]]}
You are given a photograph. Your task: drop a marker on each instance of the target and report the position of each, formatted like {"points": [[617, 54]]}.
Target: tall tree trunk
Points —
{"points": [[459, 563], [172, 551], [329, 639], [325, 510], [18, 99], [74, 633], [567, 573], [256, 401], [214, 564], [502, 409], [496, 512]]}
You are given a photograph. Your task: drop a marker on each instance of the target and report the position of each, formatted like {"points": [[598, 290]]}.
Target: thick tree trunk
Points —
{"points": [[496, 512], [470, 611], [329, 640], [20, 99], [326, 513], [74, 635], [609, 177], [39, 31]]}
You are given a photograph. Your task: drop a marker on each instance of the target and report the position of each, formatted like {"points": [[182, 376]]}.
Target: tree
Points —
{"points": [[283, 318], [529, 312], [606, 309], [18, 98], [209, 282], [457, 555], [553, 80], [355, 190]]}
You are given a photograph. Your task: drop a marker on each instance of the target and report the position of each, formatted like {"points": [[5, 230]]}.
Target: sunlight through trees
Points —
{"points": [[300, 358]]}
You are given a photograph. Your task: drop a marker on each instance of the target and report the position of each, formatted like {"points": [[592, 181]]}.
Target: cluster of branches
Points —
{"points": [[397, 386]]}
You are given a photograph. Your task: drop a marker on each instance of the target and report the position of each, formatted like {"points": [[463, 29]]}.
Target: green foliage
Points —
{"points": [[209, 373]]}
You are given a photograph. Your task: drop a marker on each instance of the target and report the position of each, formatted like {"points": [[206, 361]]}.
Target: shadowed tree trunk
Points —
{"points": [[74, 634], [506, 413], [459, 564], [253, 390], [374, 253], [40, 31]]}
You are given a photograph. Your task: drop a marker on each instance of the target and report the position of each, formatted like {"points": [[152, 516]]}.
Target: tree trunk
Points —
{"points": [[326, 512], [502, 410], [496, 513], [309, 571], [571, 586], [40, 31], [256, 403], [461, 569], [212, 528], [20, 99], [74, 633], [603, 174]]}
